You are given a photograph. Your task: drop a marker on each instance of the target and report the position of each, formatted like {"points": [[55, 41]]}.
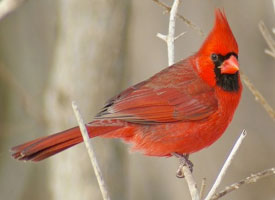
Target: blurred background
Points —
{"points": [[53, 52]]}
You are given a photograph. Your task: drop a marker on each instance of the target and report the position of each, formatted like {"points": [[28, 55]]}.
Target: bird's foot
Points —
{"points": [[184, 161]]}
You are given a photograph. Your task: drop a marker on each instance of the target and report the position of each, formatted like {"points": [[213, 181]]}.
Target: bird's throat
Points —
{"points": [[228, 82]]}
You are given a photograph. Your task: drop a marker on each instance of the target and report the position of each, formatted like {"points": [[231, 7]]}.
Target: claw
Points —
{"points": [[184, 161]]}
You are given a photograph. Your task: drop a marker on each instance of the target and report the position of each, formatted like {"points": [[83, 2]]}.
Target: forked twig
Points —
{"points": [[250, 179], [170, 37]]}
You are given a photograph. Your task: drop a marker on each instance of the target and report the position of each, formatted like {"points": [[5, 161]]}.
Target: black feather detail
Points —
{"points": [[228, 82]]}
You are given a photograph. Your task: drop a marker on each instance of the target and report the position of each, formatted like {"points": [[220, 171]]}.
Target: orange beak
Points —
{"points": [[230, 66]]}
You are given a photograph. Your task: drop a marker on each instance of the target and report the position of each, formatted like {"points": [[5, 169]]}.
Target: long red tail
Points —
{"points": [[45, 147]]}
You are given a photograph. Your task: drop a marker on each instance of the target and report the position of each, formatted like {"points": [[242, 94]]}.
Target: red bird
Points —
{"points": [[182, 109]]}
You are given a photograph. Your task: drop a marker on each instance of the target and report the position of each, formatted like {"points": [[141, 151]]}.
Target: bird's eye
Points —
{"points": [[214, 57]]}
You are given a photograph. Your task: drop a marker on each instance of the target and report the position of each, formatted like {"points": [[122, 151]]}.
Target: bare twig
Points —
{"points": [[268, 38], [187, 21], [192, 185], [258, 96], [185, 171], [8, 6], [169, 39], [91, 153], [271, 51], [226, 165], [179, 35], [171, 32], [203, 186], [250, 179]]}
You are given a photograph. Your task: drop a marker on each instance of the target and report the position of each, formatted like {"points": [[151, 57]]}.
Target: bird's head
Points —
{"points": [[217, 59]]}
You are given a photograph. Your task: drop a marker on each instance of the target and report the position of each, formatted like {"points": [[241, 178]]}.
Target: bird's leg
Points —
{"points": [[184, 161]]}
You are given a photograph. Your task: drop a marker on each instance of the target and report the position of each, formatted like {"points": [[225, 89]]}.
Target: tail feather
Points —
{"points": [[47, 152], [44, 147]]}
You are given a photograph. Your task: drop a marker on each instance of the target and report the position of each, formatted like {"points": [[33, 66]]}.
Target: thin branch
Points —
{"points": [[185, 171], [8, 6], [169, 39], [271, 51], [250, 179], [258, 96], [179, 35], [226, 165], [171, 33], [161, 36], [203, 186], [268, 38], [192, 185], [184, 19], [91, 153]]}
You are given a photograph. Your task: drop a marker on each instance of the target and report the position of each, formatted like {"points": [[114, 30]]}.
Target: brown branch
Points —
{"points": [[250, 179], [187, 21], [258, 96]]}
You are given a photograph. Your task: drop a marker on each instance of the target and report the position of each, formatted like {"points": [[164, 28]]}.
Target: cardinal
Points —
{"points": [[178, 111]]}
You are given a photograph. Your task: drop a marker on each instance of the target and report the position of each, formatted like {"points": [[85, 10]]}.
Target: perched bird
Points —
{"points": [[180, 110]]}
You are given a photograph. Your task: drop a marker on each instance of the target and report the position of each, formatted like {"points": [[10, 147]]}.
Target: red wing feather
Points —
{"points": [[175, 94]]}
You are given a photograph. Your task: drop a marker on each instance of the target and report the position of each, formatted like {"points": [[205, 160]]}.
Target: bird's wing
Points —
{"points": [[174, 94]]}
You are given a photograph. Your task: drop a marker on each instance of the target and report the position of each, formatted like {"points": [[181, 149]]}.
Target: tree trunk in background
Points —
{"points": [[26, 38], [87, 68]]}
